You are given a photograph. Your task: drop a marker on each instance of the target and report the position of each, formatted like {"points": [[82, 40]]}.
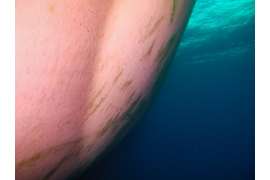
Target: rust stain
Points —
{"points": [[153, 29], [148, 52], [52, 171], [129, 98], [173, 10], [51, 8], [42, 154], [125, 85], [98, 105], [117, 77], [91, 103], [150, 49]]}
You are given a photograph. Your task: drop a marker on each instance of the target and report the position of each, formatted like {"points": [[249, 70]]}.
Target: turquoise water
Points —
{"points": [[219, 21], [202, 125]]}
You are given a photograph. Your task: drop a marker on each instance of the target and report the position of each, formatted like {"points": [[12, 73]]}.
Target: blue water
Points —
{"points": [[202, 125]]}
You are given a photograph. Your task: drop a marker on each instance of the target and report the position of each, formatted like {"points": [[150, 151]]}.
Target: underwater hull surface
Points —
{"points": [[86, 73]]}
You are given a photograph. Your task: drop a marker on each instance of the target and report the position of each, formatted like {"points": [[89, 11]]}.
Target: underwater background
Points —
{"points": [[202, 124]]}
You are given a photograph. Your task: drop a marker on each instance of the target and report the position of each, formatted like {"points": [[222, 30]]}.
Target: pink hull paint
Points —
{"points": [[86, 74]]}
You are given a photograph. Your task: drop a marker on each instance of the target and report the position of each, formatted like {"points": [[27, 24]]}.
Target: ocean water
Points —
{"points": [[202, 125]]}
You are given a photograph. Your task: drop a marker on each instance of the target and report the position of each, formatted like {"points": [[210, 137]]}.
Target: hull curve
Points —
{"points": [[86, 73]]}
